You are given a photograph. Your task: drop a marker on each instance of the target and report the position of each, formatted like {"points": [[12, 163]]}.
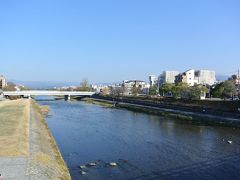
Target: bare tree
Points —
{"points": [[84, 85], [10, 87], [105, 91], [136, 90]]}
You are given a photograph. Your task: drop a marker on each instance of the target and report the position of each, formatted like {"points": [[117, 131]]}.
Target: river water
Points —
{"points": [[143, 146]]}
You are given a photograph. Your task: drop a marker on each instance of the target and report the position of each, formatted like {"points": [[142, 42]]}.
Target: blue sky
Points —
{"points": [[105, 41]]}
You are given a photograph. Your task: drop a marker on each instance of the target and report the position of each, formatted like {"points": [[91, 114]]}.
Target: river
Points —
{"points": [[144, 146]]}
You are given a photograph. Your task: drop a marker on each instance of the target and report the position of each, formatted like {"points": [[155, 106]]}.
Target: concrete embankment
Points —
{"points": [[30, 151], [46, 160], [197, 116]]}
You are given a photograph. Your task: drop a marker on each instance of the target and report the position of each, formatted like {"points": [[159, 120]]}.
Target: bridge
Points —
{"points": [[29, 94]]}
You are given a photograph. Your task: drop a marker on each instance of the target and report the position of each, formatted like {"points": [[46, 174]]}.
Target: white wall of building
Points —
{"points": [[206, 77], [153, 80], [167, 77], [129, 84], [3, 82], [190, 77]]}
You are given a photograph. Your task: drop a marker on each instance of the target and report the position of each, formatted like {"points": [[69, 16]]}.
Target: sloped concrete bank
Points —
{"points": [[197, 116], [45, 160]]}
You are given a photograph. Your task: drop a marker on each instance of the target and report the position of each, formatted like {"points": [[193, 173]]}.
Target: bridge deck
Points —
{"points": [[47, 93]]}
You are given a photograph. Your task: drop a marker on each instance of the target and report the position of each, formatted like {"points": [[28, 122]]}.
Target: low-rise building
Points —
{"points": [[236, 80], [129, 84], [3, 82], [137, 83], [102, 89]]}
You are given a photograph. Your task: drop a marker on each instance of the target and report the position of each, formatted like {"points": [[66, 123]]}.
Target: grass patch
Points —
{"points": [[152, 111], [98, 102], [14, 120]]}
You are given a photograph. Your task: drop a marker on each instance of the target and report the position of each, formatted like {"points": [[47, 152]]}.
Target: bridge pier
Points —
{"points": [[67, 97]]}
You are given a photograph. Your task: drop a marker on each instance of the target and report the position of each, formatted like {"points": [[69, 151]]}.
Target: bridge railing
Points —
{"points": [[47, 93]]}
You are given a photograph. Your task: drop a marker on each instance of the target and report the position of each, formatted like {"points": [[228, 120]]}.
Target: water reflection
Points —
{"points": [[144, 146]]}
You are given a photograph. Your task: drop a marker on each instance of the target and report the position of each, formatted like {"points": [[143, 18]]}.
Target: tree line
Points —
{"points": [[225, 89], [179, 90]]}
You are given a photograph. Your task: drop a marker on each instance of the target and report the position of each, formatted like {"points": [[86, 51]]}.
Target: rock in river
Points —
{"points": [[82, 167], [113, 164], [83, 173], [92, 164]]}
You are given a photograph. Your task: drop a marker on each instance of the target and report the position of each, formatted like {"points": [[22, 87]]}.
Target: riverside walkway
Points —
{"points": [[13, 167], [29, 149]]}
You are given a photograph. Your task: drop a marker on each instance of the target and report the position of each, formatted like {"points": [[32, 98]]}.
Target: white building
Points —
{"points": [[192, 77], [167, 77], [187, 77], [153, 80], [237, 80], [137, 83], [101, 88], [205, 77], [3, 82], [129, 84]]}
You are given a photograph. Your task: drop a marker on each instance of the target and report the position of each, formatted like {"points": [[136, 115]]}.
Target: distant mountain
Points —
{"points": [[108, 84], [52, 84], [222, 77], [44, 85]]}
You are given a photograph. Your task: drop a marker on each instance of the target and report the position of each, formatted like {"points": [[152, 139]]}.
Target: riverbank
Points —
{"points": [[99, 102], [182, 114], [32, 153]]}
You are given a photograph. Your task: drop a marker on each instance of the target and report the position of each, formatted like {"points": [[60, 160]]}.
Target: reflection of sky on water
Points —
{"points": [[142, 144]]}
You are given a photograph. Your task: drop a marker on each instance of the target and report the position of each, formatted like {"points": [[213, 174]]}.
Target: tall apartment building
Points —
{"points": [[3, 82], [205, 77], [167, 77], [187, 77], [192, 77]]}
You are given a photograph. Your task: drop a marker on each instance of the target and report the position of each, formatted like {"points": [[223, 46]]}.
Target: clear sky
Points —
{"points": [[112, 40]]}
